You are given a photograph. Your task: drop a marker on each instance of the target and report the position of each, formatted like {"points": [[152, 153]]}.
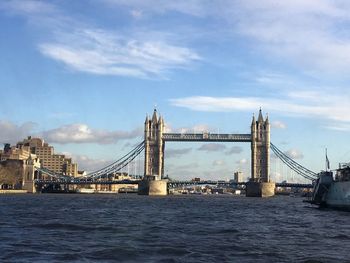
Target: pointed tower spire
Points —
{"points": [[253, 119], [267, 119], [146, 121], [155, 116], [260, 118]]}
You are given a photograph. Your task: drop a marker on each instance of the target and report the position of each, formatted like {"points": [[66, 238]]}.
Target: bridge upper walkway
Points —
{"points": [[206, 137]]}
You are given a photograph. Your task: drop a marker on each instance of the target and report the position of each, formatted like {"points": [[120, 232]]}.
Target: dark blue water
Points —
{"points": [[131, 228]]}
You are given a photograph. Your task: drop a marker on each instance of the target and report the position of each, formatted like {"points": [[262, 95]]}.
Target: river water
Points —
{"points": [[131, 228]]}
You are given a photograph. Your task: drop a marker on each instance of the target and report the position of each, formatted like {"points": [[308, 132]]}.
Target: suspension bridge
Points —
{"points": [[153, 146], [103, 175]]}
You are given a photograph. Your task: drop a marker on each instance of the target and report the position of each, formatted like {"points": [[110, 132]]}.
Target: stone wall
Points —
{"points": [[11, 173]]}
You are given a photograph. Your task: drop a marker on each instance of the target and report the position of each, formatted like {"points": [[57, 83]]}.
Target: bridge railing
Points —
{"points": [[206, 137]]}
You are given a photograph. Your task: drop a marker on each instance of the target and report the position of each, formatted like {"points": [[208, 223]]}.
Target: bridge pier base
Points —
{"points": [[150, 186], [29, 186], [256, 189]]}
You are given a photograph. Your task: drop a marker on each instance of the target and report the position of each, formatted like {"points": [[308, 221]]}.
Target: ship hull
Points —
{"points": [[338, 195]]}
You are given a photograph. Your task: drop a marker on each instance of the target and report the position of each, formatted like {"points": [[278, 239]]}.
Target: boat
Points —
{"points": [[86, 191], [106, 192], [128, 190], [333, 190]]}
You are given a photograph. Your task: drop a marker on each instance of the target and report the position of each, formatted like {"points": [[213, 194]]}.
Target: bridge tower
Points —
{"points": [[260, 149], [154, 146]]}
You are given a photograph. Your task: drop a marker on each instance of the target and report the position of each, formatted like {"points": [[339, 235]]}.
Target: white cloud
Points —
{"points": [[28, 7], [305, 32], [242, 161], [194, 7], [212, 147], [278, 125], [326, 107], [171, 153], [86, 163], [13, 133], [85, 48], [219, 163], [294, 154], [82, 133], [106, 53], [199, 128], [234, 150], [136, 13], [311, 34], [183, 167], [273, 78], [338, 127]]}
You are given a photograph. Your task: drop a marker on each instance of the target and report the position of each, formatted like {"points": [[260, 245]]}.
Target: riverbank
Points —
{"points": [[13, 191]]}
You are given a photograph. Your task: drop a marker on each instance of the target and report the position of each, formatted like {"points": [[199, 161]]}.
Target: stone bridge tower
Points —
{"points": [[260, 160], [154, 146]]}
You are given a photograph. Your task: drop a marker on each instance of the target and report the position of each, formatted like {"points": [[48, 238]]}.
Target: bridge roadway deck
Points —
{"points": [[170, 183], [206, 137], [223, 183]]}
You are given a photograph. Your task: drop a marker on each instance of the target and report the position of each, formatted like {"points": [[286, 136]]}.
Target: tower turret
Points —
{"points": [[260, 118], [267, 119], [253, 119], [253, 125], [260, 149], [154, 146], [155, 116], [146, 126]]}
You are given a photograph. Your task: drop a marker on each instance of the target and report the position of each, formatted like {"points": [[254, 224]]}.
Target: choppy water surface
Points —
{"points": [[129, 228]]}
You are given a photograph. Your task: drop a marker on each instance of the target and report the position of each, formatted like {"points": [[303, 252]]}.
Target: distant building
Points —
{"points": [[57, 163], [18, 173], [119, 176], [238, 177], [14, 153], [82, 173]]}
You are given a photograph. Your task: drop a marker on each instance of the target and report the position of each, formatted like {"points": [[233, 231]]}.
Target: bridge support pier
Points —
{"points": [[30, 174], [150, 186], [259, 189]]}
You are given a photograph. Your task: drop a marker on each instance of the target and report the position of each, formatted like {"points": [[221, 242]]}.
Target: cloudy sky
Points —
{"points": [[84, 74]]}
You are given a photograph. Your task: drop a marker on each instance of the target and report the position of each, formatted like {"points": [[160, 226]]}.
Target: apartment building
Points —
{"points": [[57, 163]]}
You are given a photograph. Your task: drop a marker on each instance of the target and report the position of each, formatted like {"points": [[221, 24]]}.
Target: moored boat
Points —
{"points": [[85, 191], [333, 190]]}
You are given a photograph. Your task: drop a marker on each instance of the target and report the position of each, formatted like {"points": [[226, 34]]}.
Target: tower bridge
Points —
{"points": [[259, 138], [153, 147]]}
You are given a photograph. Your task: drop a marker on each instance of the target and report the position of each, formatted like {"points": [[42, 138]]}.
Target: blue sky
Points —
{"points": [[84, 74]]}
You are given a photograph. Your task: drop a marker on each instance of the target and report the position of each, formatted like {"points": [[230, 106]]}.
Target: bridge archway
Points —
{"points": [[155, 138]]}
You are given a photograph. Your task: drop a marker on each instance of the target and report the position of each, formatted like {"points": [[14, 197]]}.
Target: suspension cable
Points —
{"points": [[301, 170], [113, 167], [120, 163]]}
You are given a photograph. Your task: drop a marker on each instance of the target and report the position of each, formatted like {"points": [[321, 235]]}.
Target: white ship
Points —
{"points": [[85, 191], [333, 190]]}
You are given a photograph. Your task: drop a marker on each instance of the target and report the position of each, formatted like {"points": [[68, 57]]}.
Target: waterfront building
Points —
{"points": [[13, 153], [238, 177], [57, 163], [19, 173]]}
